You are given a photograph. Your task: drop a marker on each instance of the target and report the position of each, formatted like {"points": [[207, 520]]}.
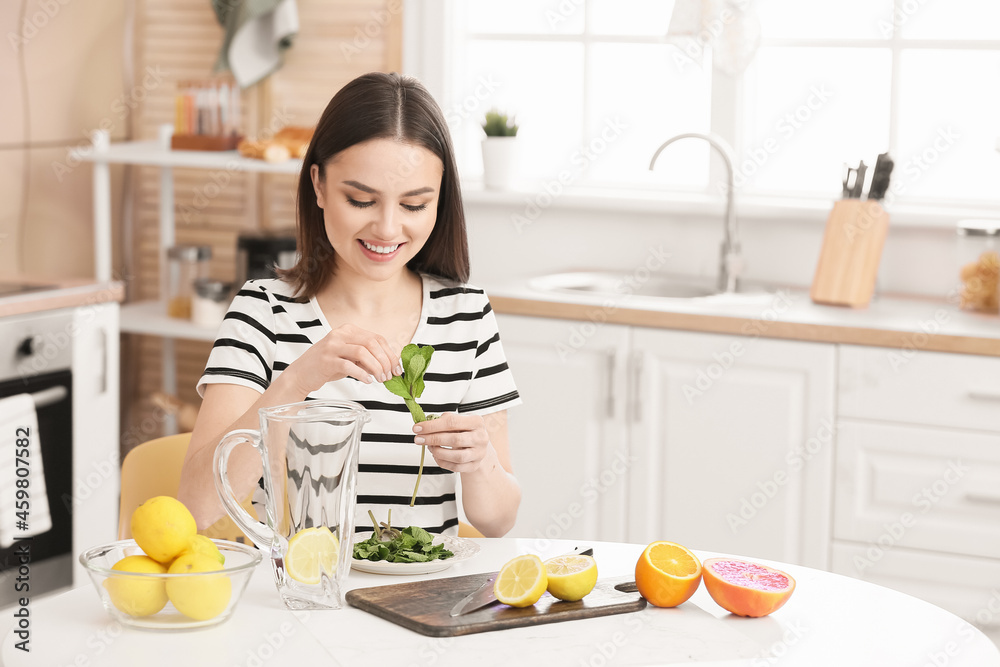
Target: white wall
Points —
{"points": [[780, 245]]}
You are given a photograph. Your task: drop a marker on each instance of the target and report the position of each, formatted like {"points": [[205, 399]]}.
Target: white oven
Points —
{"points": [[68, 361], [36, 357]]}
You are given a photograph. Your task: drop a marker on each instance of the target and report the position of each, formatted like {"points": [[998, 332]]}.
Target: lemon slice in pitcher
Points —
{"points": [[311, 551]]}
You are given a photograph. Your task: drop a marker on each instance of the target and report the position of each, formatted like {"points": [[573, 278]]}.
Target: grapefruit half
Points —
{"points": [[744, 588]]}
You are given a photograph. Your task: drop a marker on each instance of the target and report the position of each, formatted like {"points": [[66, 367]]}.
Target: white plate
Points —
{"points": [[461, 547]]}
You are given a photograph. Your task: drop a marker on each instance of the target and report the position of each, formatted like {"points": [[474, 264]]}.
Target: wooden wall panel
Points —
{"points": [[179, 39]]}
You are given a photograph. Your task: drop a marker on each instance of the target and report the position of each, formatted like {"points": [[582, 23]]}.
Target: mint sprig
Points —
{"points": [[409, 386]]}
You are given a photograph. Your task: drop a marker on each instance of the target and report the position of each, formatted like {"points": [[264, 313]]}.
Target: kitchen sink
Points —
{"points": [[610, 283]]}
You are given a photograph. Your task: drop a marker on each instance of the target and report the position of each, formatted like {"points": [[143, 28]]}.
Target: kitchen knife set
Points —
{"points": [[852, 242], [854, 179]]}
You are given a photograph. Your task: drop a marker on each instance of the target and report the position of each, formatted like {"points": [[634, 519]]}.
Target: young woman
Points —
{"points": [[383, 262]]}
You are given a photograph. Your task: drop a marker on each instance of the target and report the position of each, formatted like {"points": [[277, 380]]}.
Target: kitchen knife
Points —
{"points": [[484, 596], [859, 181], [848, 181], [880, 177]]}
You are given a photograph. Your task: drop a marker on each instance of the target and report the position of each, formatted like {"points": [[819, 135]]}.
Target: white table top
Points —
{"points": [[829, 620]]}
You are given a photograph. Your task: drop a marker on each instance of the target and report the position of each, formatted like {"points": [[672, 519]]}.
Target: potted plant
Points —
{"points": [[499, 150]]}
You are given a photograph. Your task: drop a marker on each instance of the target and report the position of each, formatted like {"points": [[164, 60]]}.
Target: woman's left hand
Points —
{"points": [[457, 442]]}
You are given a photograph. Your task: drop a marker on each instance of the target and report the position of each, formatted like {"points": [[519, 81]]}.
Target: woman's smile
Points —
{"points": [[379, 252]]}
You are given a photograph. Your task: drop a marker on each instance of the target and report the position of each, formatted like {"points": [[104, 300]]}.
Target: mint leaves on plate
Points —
{"points": [[414, 545]]}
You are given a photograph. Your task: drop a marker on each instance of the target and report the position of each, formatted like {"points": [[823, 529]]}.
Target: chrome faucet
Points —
{"points": [[730, 258]]}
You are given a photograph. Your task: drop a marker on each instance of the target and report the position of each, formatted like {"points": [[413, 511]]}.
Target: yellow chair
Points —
{"points": [[154, 469], [468, 530], [149, 470]]}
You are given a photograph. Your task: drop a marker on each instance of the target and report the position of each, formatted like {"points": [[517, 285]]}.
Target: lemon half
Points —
{"points": [[521, 581], [571, 577]]}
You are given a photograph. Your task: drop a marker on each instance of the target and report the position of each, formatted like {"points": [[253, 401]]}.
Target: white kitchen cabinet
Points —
{"points": [[607, 446], [928, 488], [96, 428], [732, 442], [918, 477], [567, 441], [919, 387]]}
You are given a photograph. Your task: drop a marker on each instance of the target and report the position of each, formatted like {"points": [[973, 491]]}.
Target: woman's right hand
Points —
{"points": [[347, 351]]}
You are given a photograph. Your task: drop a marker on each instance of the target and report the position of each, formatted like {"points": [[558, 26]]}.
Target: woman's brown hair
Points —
{"points": [[380, 106]]}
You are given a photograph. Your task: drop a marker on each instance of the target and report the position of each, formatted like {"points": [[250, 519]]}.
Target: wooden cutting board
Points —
{"points": [[852, 247], [423, 606]]}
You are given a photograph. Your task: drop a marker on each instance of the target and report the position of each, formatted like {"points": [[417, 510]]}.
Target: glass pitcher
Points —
{"points": [[309, 452]]}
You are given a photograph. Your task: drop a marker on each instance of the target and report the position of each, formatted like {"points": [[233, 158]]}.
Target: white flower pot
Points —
{"points": [[499, 162]]}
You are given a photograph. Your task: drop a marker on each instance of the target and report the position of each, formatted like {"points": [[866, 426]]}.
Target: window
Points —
{"points": [[856, 77], [597, 86]]}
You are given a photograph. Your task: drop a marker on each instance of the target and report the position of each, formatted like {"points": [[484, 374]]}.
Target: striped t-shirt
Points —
{"points": [[266, 329]]}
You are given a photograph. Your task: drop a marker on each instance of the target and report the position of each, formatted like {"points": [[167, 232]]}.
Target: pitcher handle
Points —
{"points": [[257, 531]]}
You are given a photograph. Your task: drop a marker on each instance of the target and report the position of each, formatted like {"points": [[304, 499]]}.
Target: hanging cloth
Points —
{"points": [[257, 33]]}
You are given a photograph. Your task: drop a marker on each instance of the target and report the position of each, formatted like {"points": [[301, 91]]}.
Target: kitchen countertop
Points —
{"points": [[829, 620], [907, 323], [56, 294]]}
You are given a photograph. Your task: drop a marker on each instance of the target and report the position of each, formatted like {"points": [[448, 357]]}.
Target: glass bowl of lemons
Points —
{"points": [[198, 587]]}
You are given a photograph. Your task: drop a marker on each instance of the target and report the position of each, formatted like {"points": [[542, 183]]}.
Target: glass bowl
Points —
{"points": [[210, 597]]}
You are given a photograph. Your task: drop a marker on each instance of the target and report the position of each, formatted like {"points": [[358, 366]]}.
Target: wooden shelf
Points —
{"points": [[150, 318]]}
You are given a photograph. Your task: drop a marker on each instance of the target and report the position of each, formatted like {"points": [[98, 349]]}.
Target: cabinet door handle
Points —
{"points": [[636, 388], [984, 394], [612, 362], [982, 498], [102, 355]]}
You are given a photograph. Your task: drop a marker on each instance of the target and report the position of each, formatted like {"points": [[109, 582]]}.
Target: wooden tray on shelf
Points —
{"points": [[204, 142]]}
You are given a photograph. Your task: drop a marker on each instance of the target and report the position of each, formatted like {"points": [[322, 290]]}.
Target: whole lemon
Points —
{"points": [[198, 597], [163, 528], [203, 545], [137, 596]]}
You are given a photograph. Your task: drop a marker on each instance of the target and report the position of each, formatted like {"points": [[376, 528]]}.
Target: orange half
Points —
{"points": [[667, 574]]}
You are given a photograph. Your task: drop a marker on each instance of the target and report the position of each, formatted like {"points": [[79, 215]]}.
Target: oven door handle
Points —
{"points": [[48, 396]]}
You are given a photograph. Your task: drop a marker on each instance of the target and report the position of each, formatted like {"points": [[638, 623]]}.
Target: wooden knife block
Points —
{"points": [[852, 248]]}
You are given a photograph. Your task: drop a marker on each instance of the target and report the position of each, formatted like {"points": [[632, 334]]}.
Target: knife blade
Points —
{"points": [[483, 596]]}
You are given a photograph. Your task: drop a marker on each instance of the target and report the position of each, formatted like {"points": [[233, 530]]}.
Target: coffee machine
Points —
{"points": [[259, 253]]}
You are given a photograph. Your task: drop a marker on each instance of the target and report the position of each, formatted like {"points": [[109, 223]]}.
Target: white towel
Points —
{"points": [[18, 421], [257, 34]]}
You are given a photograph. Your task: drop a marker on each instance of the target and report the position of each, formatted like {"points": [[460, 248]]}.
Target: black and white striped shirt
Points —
{"points": [[266, 329]]}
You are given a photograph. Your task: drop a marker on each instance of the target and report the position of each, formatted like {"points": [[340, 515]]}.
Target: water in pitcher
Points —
{"points": [[310, 456]]}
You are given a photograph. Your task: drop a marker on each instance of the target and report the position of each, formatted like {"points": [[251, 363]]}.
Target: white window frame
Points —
{"points": [[428, 54]]}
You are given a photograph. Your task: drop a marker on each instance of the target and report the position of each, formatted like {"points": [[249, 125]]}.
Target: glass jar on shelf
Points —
{"points": [[186, 264], [979, 264], [211, 301]]}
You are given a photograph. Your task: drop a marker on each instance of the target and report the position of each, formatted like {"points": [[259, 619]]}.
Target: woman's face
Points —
{"points": [[379, 201]]}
